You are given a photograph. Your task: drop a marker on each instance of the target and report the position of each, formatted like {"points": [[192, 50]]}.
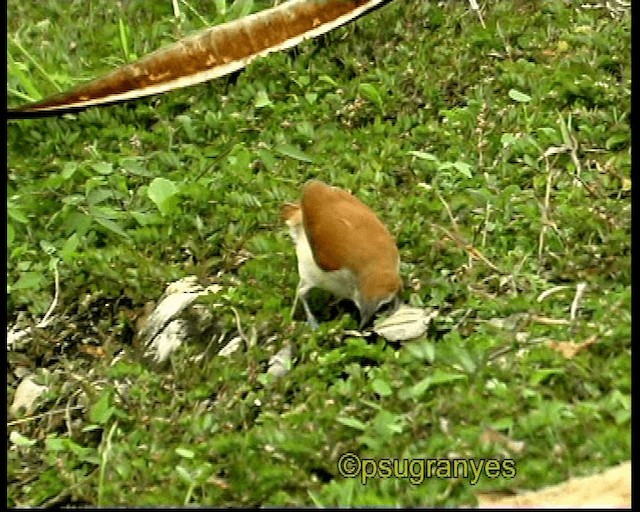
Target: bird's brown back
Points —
{"points": [[344, 232]]}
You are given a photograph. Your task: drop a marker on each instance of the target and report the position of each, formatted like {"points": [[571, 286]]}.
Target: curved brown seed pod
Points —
{"points": [[209, 54]]}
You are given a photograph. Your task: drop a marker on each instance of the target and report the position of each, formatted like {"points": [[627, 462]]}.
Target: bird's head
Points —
{"points": [[377, 290]]}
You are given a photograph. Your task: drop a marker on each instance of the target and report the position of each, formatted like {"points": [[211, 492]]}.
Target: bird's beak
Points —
{"points": [[369, 309], [366, 313]]}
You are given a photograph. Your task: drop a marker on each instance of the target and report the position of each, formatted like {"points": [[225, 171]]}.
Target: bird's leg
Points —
{"points": [[295, 300], [313, 323], [301, 293]]}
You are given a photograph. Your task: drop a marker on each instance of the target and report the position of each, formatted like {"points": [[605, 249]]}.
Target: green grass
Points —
{"points": [[468, 142]]}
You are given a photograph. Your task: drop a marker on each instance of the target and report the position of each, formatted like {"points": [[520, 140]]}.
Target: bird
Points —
{"points": [[211, 53], [344, 248]]}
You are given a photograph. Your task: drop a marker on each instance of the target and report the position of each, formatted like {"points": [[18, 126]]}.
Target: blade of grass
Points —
{"points": [[124, 43], [24, 80], [36, 64], [221, 7], [196, 13], [22, 96]]}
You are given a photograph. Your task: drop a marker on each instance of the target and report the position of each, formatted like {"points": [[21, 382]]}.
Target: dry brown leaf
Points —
{"points": [[610, 488], [405, 323], [92, 350], [570, 349]]}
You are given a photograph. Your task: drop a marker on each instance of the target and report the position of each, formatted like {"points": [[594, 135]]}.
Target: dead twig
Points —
{"points": [[475, 7], [580, 288], [46, 320], [249, 341], [459, 239], [511, 346], [556, 321], [42, 415], [461, 242], [486, 224], [449, 214], [551, 291]]}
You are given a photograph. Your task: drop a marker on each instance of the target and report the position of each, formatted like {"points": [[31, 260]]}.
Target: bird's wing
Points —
{"points": [[342, 231]]}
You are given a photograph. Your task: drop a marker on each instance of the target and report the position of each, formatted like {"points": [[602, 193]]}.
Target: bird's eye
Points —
{"points": [[389, 306]]}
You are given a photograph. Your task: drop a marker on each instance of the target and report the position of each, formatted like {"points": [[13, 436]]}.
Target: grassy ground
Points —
{"points": [[498, 156]]}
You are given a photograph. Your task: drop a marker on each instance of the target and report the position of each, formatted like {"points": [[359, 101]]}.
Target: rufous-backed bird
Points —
{"points": [[342, 247]]}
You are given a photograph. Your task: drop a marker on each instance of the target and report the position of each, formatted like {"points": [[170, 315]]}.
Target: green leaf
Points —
{"points": [[73, 199], [105, 212], [518, 96], [425, 156], [507, 139], [55, 444], [464, 359], [269, 161], [19, 440], [104, 168], [78, 222], [186, 123], [621, 417], [146, 218], [422, 349], [184, 474], [464, 168], [327, 79], [70, 246], [11, 234], [352, 422], [98, 195], [505, 423], [387, 423], [47, 247], [306, 129], [134, 167], [543, 374], [381, 387], [183, 452], [29, 281], [221, 6], [370, 93], [437, 378], [442, 377], [417, 390], [82, 452], [68, 170], [111, 226], [100, 412], [293, 152], [262, 99], [16, 214], [162, 192], [615, 142], [240, 8]]}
